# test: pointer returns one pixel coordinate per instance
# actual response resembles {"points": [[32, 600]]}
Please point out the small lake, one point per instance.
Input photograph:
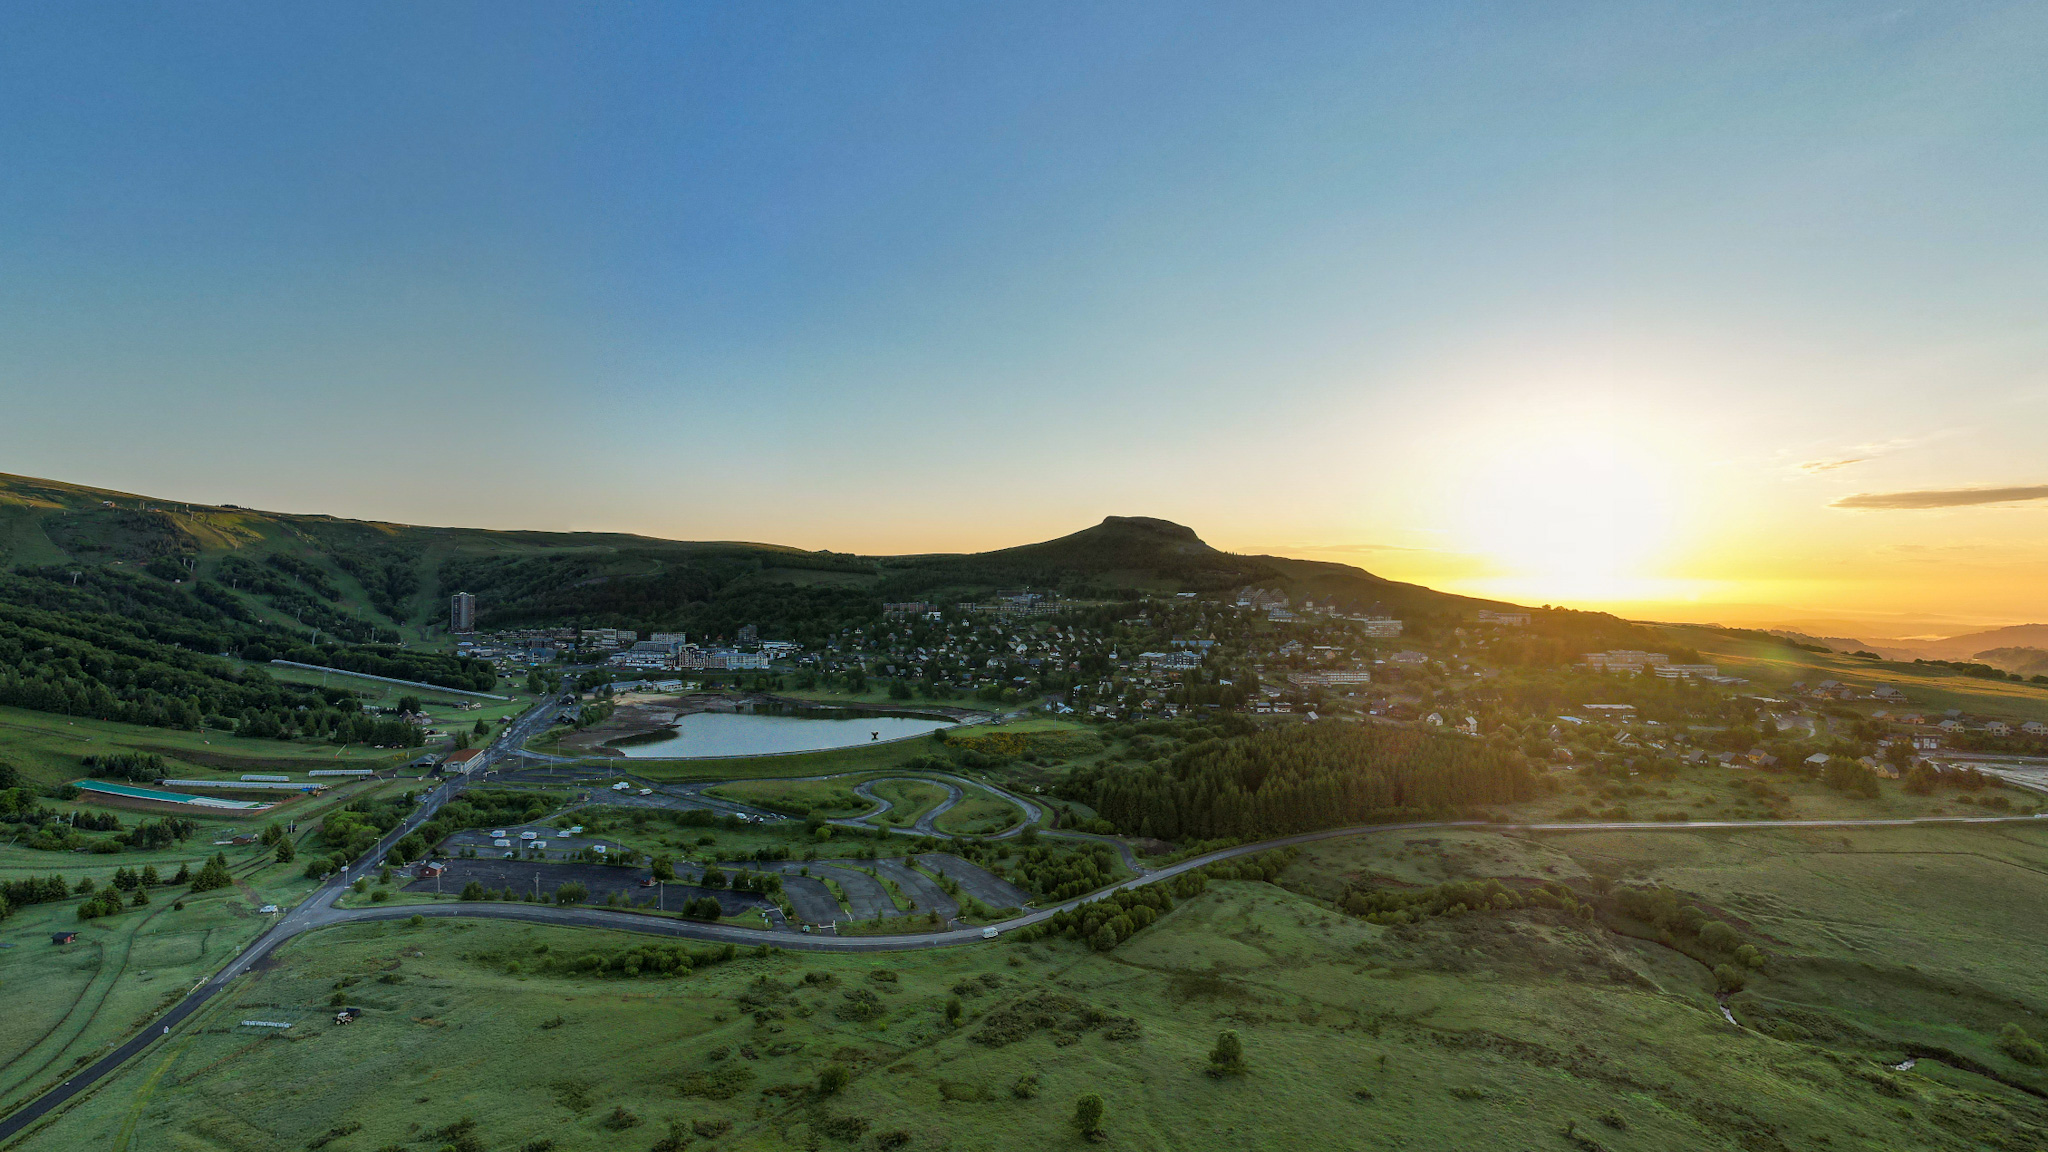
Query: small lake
{"points": [[759, 733]]}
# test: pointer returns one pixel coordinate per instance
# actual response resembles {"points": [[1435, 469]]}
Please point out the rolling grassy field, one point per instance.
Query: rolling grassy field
{"points": [[47, 748], [824, 797], [1514, 1031], [67, 1003], [1773, 667]]}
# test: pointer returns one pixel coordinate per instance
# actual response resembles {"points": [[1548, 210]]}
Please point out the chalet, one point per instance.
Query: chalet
{"points": [[63, 937], [1998, 728], [2034, 728]]}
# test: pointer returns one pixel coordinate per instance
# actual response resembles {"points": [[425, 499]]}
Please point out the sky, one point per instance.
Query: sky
{"points": [[1727, 312]]}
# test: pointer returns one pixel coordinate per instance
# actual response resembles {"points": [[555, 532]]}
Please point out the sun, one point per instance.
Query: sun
{"points": [[1569, 517]]}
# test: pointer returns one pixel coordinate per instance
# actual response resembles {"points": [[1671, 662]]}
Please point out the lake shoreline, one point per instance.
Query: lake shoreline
{"points": [[643, 717]]}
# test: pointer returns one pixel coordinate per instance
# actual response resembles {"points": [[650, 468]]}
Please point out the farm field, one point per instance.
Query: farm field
{"points": [[1528, 1029]]}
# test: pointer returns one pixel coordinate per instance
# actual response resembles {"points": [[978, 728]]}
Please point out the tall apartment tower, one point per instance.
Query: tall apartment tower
{"points": [[462, 613]]}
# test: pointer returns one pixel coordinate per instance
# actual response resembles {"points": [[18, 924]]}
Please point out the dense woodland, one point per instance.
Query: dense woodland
{"points": [[1299, 779], [133, 648]]}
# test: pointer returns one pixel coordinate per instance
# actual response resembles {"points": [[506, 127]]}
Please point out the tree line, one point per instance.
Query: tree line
{"points": [[1301, 778]]}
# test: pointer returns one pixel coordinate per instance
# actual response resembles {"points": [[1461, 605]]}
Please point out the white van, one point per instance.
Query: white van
{"points": [[496, 832], [501, 842], [989, 933], [537, 845], [528, 835]]}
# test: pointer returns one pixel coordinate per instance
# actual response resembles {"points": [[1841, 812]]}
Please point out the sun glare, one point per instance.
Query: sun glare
{"points": [[1568, 518]]}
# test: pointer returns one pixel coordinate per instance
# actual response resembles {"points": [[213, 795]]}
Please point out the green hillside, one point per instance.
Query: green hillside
{"points": [[365, 581]]}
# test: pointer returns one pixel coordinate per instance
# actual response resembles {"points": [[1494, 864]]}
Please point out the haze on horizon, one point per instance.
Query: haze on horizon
{"points": [[1726, 313]]}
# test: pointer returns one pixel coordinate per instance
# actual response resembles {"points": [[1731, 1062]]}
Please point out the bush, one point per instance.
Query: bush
{"points": [[833, 1079], [2016, 1043], [847, 1128], [1025, 1088], [571, 893], [618, 1120], [1089, 1113], [1227, 1058]]}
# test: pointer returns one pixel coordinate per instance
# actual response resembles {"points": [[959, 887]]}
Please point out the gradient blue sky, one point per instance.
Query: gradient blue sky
{"points": [[1582, 302]]}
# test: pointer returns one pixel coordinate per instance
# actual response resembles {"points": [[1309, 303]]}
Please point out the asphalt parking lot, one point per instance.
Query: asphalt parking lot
{"points": [[524, 877]]}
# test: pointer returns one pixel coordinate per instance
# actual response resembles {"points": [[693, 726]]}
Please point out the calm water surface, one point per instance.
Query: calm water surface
{"points": [[754, 734]]}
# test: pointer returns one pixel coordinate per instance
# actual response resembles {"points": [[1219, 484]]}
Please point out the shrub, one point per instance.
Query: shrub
{"points": [[618, 1119], [2022, 1047], [571, 893], [847, 1128], [1227, 1058], [1089, 1114], [1025, 1088], [833, 1079]]}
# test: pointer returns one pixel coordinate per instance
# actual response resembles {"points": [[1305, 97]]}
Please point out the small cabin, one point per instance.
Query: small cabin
{"points": [[63, 937]]}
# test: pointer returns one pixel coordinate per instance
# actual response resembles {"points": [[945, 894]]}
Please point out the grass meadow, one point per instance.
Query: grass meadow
{"points": [[1518, 1030]]}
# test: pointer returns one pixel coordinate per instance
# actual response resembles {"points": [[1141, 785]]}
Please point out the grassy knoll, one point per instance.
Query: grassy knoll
{"points": [[48, 747], [795, 797], [909, 799], [1773, 667], [1532, 1030]]}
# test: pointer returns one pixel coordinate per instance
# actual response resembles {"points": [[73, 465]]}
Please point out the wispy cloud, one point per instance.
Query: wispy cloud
{"points": [[1942, 498], [1831, 465]]}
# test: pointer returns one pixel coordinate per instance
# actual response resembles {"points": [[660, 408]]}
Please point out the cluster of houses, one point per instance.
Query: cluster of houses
{"points": [[672, 651], [1629, 662]]}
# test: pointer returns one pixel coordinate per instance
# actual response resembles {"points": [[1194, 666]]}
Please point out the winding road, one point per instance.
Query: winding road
{"points": [[318, 910]]}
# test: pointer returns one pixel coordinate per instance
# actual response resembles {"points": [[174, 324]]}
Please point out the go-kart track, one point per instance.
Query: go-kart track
{"points": [[317, 911]]}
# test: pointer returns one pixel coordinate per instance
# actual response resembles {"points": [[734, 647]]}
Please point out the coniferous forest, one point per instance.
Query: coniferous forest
{"points": [[1299, 779]]}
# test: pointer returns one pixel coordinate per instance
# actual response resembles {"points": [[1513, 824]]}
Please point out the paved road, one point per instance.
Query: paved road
{"points": [[318, 911]]}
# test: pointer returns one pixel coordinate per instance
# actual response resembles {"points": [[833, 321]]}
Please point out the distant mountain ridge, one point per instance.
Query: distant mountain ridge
{"points": [[399, 574]]}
